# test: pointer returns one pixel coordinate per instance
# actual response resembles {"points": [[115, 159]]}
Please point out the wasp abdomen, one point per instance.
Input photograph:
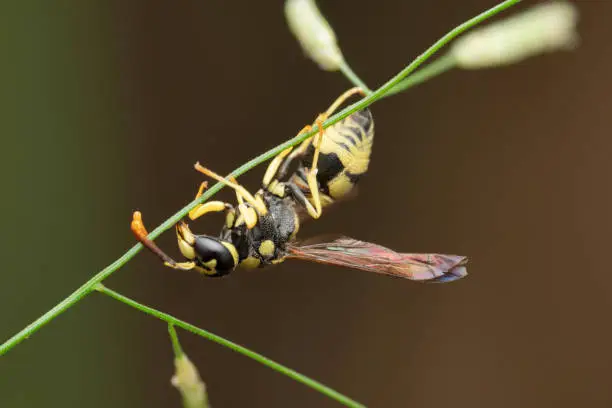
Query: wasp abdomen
{"points": [[344, 156]]}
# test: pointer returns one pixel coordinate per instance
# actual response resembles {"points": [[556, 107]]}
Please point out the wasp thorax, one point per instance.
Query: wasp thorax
{"points": [[216, 257]]}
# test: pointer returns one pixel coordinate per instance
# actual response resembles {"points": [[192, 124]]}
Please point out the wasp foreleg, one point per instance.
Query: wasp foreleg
{"points": [[257, 203]]}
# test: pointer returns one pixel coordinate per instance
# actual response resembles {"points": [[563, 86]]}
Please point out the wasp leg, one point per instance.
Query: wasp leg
{"points": [[299, 196], [258, 204], [340, 100], [239, 196], [279, 165], [182, 266], [141, 233], [248, 213], [296, 192], [273, 167], [209, 206], [203, 186], [311, 177], [296, 153]]}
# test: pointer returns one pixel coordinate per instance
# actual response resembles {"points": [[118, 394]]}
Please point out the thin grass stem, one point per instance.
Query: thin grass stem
{"points": [[173, 321], [89, 286]]}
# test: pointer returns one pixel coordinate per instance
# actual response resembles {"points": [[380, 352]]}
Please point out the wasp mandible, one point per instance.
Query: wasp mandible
{"points": [[261, 229]]}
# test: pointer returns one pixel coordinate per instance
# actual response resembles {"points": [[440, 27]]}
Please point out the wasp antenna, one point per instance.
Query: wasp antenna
{"points": [[137, 225], [141, 234]]}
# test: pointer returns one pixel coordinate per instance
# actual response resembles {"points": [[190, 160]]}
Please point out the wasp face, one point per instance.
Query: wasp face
{"points": [[215, 257]]}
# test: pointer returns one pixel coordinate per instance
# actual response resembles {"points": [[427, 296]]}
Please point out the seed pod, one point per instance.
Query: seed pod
{"points": [[314, 33], [544, 28], [187, 380]]}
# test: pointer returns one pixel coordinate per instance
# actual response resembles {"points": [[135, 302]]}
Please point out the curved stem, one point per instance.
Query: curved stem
{"points": [[87, 287], [173, 321], [433, 69], [176, 344], [348, 72]]}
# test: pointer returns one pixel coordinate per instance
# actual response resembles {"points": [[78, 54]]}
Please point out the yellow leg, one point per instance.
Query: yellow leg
{"points": [[210, 206], [239, 195], [248, 213], [273, 167], [311, 177], [316, 209], [257, 204], [340, 100], [282, 162], [278, 166], [181, 266], [203, 186], [300, 151], [207, 207]]}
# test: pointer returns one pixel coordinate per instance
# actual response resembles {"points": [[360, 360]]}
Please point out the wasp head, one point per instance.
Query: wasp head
{"points": [[215, 256]]}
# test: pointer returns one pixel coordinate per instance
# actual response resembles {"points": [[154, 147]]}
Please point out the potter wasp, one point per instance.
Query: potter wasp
{"points": [[261, 229]]}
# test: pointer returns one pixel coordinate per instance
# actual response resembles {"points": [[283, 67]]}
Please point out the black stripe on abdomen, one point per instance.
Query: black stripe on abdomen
{"points": [[329, 166]]}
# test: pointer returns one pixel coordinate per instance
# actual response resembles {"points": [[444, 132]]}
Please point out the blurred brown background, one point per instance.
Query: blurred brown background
{"points": [[106, 106]]}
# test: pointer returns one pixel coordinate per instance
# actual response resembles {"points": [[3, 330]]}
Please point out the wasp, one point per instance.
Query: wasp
{"points": [[261, 229]]}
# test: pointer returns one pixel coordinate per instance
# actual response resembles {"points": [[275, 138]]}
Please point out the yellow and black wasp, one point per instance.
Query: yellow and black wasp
{"points": [[261, 229]]}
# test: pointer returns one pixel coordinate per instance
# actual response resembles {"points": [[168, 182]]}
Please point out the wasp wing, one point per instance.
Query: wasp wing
{"points": [[351, 253]]}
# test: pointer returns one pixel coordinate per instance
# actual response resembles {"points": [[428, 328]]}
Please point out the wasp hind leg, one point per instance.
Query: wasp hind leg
{"points": [[340, 100], [314, 206], [141, 234], [277, 169], [313, 210], [280, 164]]}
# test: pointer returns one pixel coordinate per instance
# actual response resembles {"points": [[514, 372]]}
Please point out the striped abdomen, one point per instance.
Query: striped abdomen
{"points": [[343, 158]]}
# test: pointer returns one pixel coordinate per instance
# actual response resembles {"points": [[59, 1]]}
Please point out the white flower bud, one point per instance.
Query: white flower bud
{"points": [[543, 28], [187, 380], [313, 33]]}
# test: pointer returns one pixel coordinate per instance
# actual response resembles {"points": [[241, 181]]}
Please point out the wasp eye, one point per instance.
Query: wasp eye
{"points": [[215, 254]]}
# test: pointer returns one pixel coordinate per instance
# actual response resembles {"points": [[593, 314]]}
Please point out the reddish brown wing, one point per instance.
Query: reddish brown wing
{"points": [[355, 254]]}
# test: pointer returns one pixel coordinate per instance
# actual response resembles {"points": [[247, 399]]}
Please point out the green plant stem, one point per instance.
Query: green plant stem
{"points": [[433, 69], [88, 286], [176, 344], [348, 72], [173, 321]]}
